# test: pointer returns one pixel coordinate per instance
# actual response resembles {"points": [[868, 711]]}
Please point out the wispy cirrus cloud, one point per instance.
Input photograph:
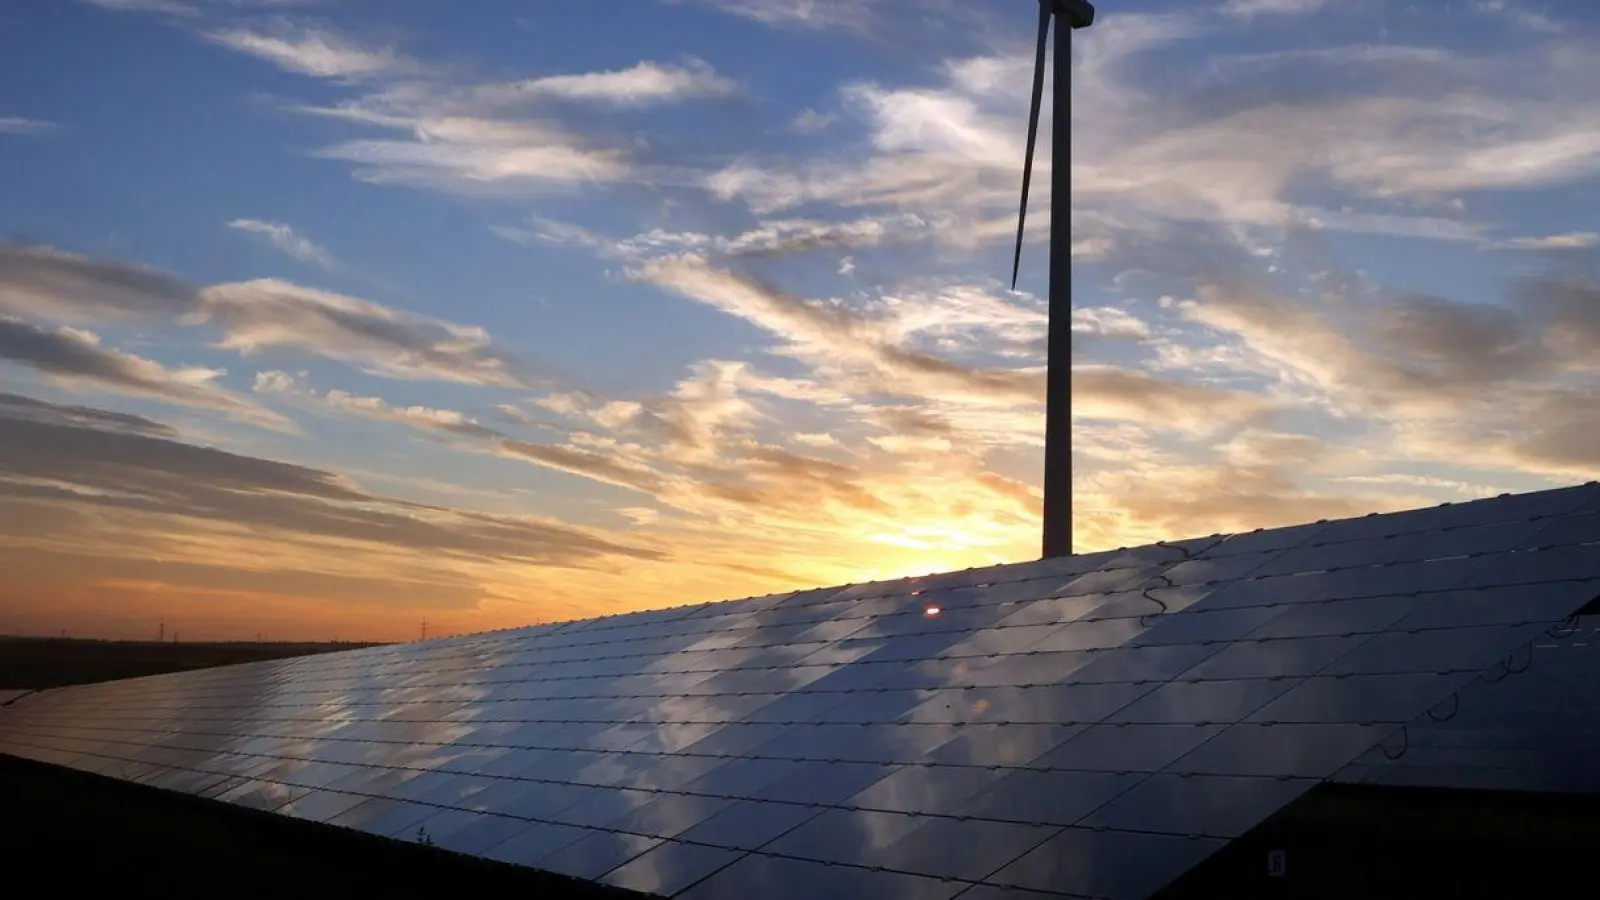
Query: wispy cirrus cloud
{"points": [[314, 50], [646, 82], [1521, 14], [814, 14], [94, 493], [828, 335], [42, 282], [194, 7], [471, 137], [1250, 8], [255, 316], [25, 126], [269, 313], [77, 358], [423, 417], [1572, 240], [286, 239]]}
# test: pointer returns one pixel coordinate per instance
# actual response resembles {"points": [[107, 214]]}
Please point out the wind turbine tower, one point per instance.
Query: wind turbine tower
{"points": [[1070, 15]]}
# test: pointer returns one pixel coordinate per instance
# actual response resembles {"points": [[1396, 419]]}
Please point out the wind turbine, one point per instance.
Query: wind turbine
{"points": [[1070, 15]]}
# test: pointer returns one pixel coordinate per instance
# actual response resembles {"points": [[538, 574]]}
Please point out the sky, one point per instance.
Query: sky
{"points": [[322, 318]]}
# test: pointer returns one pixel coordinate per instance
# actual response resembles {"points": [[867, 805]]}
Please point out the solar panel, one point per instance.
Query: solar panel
{"points": [[1090, 726], [1530, 723]]}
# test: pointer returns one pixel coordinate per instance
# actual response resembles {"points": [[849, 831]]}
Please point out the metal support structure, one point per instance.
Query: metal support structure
{"points": [[1058, 378], [1069, 15]]}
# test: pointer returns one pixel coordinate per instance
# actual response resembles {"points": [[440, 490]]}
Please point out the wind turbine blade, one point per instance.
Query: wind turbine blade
{"points": [[1033, 132]]}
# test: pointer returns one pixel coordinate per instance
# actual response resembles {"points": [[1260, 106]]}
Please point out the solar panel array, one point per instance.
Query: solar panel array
{"points": [[1091, 726], [1530, 723]]}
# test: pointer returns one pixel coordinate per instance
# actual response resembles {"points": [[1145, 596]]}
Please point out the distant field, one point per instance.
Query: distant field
{"points": [[35, 663]]}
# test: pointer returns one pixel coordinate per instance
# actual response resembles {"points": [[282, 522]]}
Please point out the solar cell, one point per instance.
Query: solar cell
{"points": [[1094, 725], [669, 867], [783, 878]]}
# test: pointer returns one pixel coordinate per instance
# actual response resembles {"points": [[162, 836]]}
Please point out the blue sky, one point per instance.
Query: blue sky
{"points": [[325, 315]]}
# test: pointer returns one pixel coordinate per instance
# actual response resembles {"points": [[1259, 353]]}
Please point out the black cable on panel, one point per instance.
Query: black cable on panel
{"points": [[1454, 709], [1188, 554], [1565, 628], [1156, 600], [1404, 733]]}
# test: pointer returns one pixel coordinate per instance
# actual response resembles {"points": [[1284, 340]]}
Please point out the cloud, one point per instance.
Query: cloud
{"points": [[1572, 240], [20, 125], [77, 358], [268, 313], [1418, 126], [1519, 14], [481, 139], [285, 238], [1247, 9], [39, 282], [416, 416], [644, 83], [191, 7], [171, 7], [813, 14], [317, 51], [1410, 355], [1106, 392], [1109, 321], [768, 238], [121, 471], [461, 165], [587, 462], [810, 121], [829, 335], [453, 146], [16, 406]]}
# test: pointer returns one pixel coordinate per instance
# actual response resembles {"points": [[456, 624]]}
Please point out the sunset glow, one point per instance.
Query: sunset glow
{"points": [[321, 320]]}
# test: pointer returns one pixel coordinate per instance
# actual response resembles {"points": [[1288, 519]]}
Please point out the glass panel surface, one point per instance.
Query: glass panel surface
{"points": [[855, 837], [1363, 699], [951, 848], [1197, 625], [598, 853], [1274, 658], [1217, 806], [1051, 797], [1120, 865], [319, 806], [669, 867], [1297, 750], [669, 815], [1040, 704], [991, 744], [749, 824], [471, 833], [779, 878], [1500, 606], [995, 892], [724, 726], [1127, 748], [741, 777], [382, 816], [929, 790], [1339, 617], [1202, 702], [540, 840], [1159, 663], [1435, 650], [825, 783]]}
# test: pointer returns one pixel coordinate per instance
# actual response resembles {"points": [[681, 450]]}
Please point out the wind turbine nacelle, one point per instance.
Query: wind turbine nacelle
{"points": [[1076, 13]]}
